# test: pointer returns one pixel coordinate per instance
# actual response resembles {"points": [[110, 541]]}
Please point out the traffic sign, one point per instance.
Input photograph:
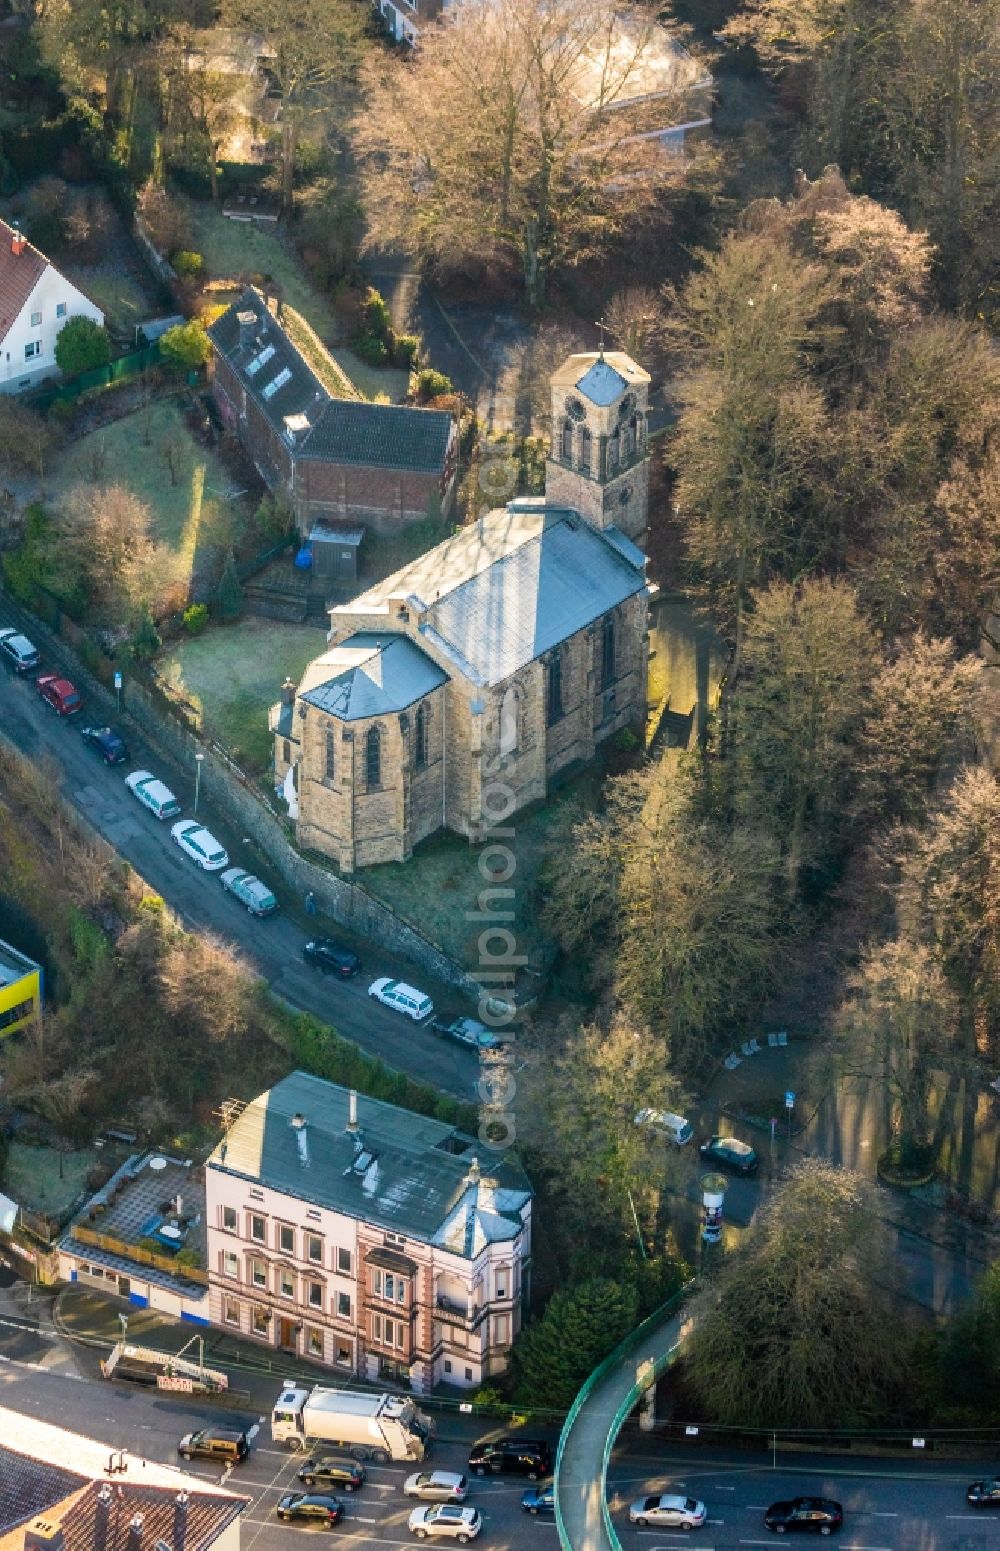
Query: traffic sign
{"points": [[118, 681], [789, 1099]]}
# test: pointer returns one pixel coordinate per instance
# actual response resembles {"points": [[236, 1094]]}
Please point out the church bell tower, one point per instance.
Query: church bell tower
{"points": [[598, 461]]}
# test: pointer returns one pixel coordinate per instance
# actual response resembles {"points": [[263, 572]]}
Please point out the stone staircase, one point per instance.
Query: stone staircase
{"points": [[278, 592]]}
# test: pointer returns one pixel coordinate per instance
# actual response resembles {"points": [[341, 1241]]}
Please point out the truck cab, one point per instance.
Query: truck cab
{"points": [[286, 1418]]}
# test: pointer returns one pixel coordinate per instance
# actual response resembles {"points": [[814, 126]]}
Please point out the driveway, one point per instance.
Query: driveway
{"points": [[272, 947]]}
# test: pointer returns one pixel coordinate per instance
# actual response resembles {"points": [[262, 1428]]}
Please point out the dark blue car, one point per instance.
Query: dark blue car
{"points": [[107, 742], [539, 1499]]}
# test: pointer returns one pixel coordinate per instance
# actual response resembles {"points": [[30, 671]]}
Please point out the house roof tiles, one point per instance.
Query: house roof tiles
{"points": [[19, 274], [389, 436]]}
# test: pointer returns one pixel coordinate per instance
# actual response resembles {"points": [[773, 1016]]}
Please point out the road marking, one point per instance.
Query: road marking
{"points": [[977, 1518], [873, 1514]]}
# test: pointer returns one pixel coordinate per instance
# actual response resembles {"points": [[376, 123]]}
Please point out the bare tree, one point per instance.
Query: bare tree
{"points": [[504, 140], [105, 539]]}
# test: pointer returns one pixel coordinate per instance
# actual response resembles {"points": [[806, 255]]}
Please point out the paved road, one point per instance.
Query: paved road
{"points": [[273, 946], [889, 1506]]}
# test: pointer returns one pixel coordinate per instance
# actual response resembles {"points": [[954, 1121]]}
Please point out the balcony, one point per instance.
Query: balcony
{"points": [[459, 1311]]}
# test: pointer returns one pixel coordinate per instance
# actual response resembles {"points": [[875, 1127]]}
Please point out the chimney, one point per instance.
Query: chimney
{"points": [[102, 1515], [178, 1204], [288, 692], [134, 1542], [43, 1535], [296, 427], [248, 328], [298, 1123], [472, 1178], [352, 1114], [180, 1520], [17, 240]]}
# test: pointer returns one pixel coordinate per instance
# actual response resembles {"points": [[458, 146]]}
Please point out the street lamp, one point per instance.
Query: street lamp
{"points": [[199, 761]]}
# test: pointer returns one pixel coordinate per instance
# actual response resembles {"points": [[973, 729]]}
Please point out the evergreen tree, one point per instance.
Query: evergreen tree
{"points": [[579, 1328], [230, 592]]}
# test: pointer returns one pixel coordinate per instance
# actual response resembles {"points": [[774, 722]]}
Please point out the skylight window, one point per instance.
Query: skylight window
{"points": [[271, 388], [258, 361]]}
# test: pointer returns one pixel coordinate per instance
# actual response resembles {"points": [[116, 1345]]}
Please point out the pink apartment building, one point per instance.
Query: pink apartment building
{"points": [[356, 1234]]}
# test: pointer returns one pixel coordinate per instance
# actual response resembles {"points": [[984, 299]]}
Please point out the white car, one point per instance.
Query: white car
{"points": [[437, 1486], [199, 845], [668, 1512], [159, 799], [402, 998], [249, 891], [674, 1127], [19, 651], [447, 1520]]}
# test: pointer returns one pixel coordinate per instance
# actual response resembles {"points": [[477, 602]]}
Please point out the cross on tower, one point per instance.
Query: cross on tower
{"points": [[601, 325]]}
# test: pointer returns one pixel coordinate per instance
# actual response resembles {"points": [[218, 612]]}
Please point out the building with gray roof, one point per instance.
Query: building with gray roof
{"points": [[508, 652], [381, 1242], [339, 461]]}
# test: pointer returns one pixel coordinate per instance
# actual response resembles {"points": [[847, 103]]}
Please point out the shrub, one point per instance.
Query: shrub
{"points": [[230, 593], [273, 519], [196, 618], [430, 384], [189, 266], [82, 344], [372, 349], [186, 346], [404, 349], [146, 641], [378, 320]]}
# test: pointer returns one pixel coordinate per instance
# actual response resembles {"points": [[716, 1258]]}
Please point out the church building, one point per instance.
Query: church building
{"points": [[495, 661]]}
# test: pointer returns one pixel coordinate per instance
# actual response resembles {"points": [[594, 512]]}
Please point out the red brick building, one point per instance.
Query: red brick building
{"points": [[338, 462]]}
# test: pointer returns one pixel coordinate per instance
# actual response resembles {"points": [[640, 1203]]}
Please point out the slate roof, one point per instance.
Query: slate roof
{"points": [[388, 436], [370, 675], [601, 384], [19, 274], [403, 1172], [512, 586]]}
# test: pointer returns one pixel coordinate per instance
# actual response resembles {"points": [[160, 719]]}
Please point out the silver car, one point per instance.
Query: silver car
{"points": [[448, 1521], [437, 1486], [668, 1512]]}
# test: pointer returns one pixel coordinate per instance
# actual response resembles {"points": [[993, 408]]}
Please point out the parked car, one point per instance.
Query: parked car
{"points": [[202, 847], [984, 1494], [326, 1470], [249, 891], [60, 694], [107, 742], [402, 998], [517, 1456], [666, 1512], [310, 1508], [729, 1153], [819, 1514], [21, 653], [330, 958], [437, 1486], [448, 1521], [221, 1443], [159, 799], [468, 1031], [674, 1127], [539, 1500]]}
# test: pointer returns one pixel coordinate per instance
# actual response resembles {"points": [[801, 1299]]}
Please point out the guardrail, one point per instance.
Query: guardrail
{"points": [[659, 1366]]}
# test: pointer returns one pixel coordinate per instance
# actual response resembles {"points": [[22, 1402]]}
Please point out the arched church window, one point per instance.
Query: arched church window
{"points": [[586, 443], [614, 448], [373, 757], [508, 721], [567, 441], [420, 737]]}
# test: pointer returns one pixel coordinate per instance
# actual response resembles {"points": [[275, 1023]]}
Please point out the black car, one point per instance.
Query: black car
{"points": [[310, 1508], [984, 1494], [107, 742], [330, 958], [820, 1514], [517, 1456], [729, 1153], [539, 1499], [345, 1473]]}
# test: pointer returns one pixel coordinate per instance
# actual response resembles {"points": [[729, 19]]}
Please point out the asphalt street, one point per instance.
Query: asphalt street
{"points": [[888, 1505], [272, 946]]}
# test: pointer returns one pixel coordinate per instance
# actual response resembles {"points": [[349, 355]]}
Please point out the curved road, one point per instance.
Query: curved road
{"points": [[273, 947]]}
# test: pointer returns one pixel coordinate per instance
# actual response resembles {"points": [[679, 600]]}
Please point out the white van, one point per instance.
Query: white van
{"points": [[674, 1127], [159, 799], [402, 998]]}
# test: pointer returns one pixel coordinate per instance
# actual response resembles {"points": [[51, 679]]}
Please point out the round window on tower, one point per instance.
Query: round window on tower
{"points": [[575, 409]]}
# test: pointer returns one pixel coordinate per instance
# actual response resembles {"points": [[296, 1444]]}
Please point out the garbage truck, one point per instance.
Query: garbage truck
{"points": [[379, 1428]]}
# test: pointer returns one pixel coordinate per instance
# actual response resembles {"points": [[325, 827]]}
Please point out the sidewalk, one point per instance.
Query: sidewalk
{"points": [[581, 1476]]}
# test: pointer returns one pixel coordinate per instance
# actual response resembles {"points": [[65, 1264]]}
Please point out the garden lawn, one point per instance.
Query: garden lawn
{"points": [[192, 520], [233, 673], [32, 1176], [438, 889], [239, 251]]}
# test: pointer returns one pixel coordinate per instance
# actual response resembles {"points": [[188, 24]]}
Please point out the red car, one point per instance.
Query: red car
{"points": [[60, 694]]}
